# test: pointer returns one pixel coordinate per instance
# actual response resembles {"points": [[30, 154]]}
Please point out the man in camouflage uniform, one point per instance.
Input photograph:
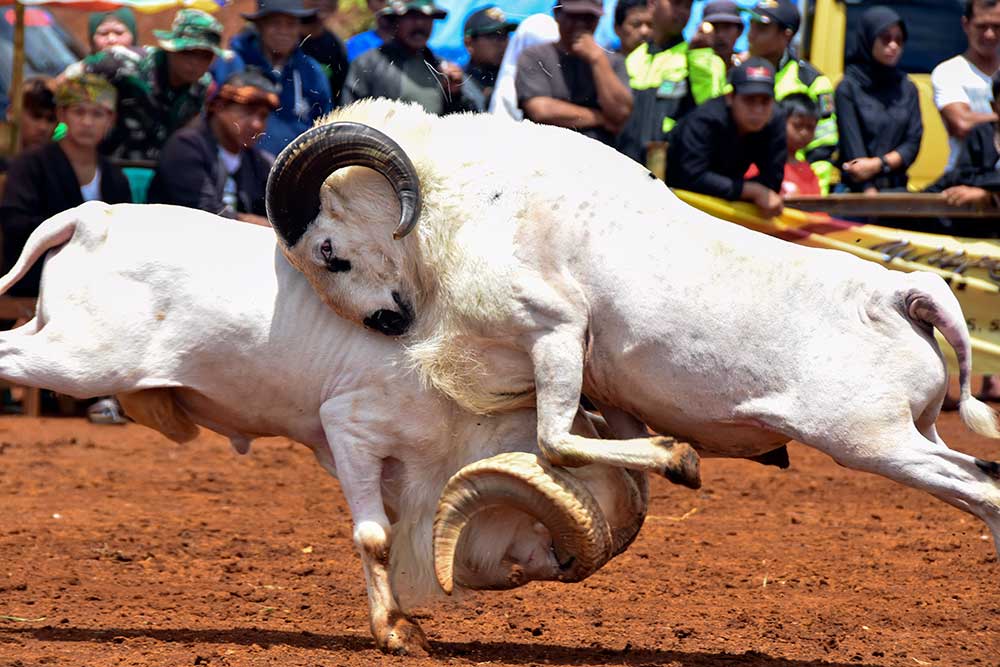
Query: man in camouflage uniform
{"points": [[159, 92]]}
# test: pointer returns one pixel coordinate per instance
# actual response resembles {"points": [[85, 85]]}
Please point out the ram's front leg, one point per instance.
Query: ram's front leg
{"points": [[360, 473], [558, 357]]}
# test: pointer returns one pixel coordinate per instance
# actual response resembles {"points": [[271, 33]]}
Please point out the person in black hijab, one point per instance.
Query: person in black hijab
{"points": [[878, 110]]}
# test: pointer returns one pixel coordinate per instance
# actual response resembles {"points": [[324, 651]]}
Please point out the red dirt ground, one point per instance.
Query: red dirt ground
{"points": [[120, 548]]}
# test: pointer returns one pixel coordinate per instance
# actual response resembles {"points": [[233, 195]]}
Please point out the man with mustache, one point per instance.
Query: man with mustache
{"points": [[404, 68]]}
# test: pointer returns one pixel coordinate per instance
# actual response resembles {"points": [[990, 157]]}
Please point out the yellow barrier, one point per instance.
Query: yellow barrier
{"points": [[971, 266]]}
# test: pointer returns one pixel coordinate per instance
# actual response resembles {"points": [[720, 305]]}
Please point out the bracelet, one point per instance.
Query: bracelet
{"points": [[885, 164]]}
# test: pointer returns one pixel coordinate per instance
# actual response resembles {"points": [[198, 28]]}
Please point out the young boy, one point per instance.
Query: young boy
{"points": [[38, 116], [59, 175], [714, 145], [801, 117]]}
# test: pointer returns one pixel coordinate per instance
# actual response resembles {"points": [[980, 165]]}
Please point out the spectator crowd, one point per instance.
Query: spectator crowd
{"points": [[193, 121]]}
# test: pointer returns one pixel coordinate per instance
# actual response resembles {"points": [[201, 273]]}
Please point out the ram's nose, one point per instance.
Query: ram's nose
{"points": [[388, 322]]}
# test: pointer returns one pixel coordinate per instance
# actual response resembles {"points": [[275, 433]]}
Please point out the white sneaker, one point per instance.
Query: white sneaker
{"points": [[106, 411]]}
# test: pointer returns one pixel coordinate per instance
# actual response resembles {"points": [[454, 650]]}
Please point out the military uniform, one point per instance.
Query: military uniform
{"points": [[666, 84], [149, 110]]}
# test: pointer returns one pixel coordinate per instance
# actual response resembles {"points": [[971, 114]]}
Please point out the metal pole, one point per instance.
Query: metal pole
{"points": [[17, 79]]}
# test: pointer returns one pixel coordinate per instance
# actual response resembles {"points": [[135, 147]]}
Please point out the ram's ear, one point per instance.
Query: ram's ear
{"points": [[331, 201]]}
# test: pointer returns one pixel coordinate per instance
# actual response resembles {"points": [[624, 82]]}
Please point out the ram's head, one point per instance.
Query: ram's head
{"points": [[514, 518], [329, 194]]}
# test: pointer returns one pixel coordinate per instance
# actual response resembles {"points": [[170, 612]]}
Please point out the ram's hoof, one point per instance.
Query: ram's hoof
{"points": [[402, 636], [684, 464]]}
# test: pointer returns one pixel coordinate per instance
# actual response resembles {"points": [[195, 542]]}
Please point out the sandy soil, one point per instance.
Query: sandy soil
{"points": [[120, 548]]}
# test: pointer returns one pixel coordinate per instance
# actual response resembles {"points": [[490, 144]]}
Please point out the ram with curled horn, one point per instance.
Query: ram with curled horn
{"points": [[241, 345], [543, 264]]}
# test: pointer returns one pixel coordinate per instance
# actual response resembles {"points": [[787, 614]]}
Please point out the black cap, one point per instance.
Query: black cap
{"points": [[783, 12], [289, 7], [592, 7], [722, 11], [755, 76], [488, 21]]}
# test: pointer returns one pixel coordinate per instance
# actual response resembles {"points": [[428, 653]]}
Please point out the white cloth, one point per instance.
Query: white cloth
{"points": [[92, 191], [536, 29], [958, 80], [231, 163]]}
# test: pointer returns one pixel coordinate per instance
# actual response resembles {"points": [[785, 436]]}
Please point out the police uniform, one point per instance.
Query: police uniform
{"points": [[795, 75], [666, 84]]}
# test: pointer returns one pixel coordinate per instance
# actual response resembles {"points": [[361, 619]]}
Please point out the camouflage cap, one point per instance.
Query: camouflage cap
{"points": [[86, 87], [192, 30], [402, 7]]}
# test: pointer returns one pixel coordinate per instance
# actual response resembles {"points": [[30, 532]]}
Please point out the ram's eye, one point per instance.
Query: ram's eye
{"points": [[326, 250]]}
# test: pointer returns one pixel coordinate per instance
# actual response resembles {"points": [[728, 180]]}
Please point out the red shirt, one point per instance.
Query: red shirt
{"points": [[799, 179]]}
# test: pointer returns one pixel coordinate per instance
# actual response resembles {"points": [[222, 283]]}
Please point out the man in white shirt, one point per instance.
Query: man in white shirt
{"points": [[962, 87]]}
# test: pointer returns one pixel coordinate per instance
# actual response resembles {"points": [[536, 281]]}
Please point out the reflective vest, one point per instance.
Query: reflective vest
{"points": [[798, 76], [665, 86]]}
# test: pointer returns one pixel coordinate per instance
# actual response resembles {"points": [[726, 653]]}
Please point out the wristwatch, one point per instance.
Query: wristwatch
{"points": [[885, 164]]}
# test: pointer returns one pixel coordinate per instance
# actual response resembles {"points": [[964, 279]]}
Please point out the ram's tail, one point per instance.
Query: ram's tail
{"points": [[52, 233], [934, 304]]}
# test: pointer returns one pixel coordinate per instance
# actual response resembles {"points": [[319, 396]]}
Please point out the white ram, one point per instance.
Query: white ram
{"points": [[544, 263], [223, 333]]}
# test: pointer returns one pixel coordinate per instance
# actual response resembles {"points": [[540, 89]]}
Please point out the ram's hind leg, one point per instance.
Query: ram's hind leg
{"points": [[558, 360], [49, 360], [910, 458]]}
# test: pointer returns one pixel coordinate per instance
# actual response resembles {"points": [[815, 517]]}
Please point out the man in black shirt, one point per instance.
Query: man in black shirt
{"points": [[574, 83], [714, 145], [214, 165]]}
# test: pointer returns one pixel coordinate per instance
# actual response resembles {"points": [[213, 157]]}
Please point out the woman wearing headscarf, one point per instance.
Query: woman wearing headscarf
{"points": [[878, 110], [108, 29], [536, 29]]}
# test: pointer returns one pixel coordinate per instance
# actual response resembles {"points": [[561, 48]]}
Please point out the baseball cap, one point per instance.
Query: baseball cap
{"points": [[754, 77], [722, 11], [783, 12], [592, 7], [192, 30], [403, 7], [488, 21], [288, 7]]}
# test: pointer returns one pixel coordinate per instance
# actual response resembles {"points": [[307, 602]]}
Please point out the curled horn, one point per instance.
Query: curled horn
{"points": [[581, 536], [300, 170], [634, 494]]}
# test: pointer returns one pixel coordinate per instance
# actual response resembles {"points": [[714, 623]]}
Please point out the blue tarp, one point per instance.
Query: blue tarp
{"points": [[447, 40]]}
